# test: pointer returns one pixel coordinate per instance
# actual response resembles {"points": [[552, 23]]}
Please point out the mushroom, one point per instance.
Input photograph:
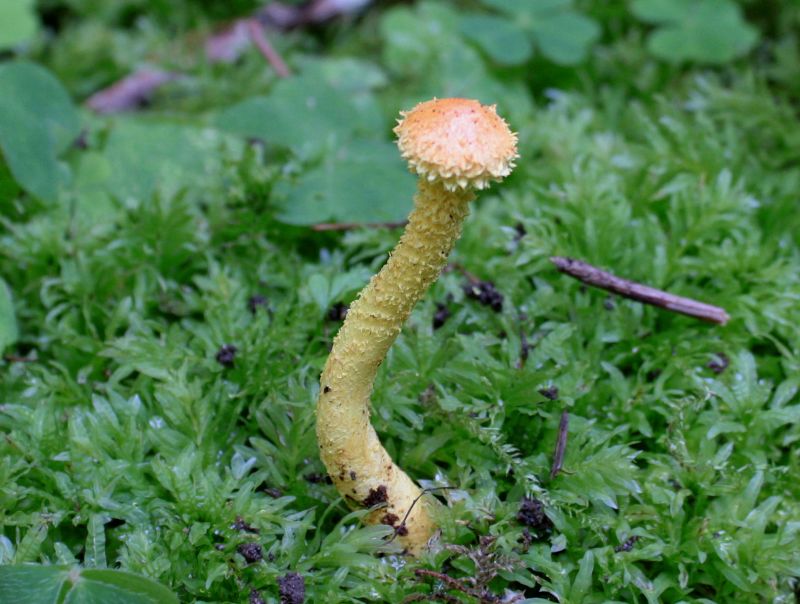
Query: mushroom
{"points": [[455, 146]]}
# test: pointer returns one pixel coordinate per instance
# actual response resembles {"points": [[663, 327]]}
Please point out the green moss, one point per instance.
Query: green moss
{"points": [[125, 439]]}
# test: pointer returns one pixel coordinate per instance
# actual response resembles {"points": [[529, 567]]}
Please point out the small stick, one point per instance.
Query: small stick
{"points": [[411, 507], [256, 31], [13, 358], [561, 445], [352, 226], [591, 275]]}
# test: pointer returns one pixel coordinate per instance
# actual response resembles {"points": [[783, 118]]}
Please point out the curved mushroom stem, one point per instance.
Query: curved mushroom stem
{"points": [[360, 467]]}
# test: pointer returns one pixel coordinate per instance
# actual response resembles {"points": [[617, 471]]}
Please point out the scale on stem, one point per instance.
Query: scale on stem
{"points": [[455, 146]]}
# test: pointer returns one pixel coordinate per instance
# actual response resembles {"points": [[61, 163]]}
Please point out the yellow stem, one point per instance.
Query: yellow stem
{"points": [[360, 467]]}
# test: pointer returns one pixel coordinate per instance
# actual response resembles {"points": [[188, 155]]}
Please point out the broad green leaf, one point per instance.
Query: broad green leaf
{"points": [[566, 37], [710, 31], [526, 8], [301, 113], [364, 181], [33, 583], [37, 121], [141, 158], [61, 584], [28, 150], [500, 38], [101, 585], [8, 321], [563, 34], [661, 11], [18, 22], [356, 79], [345, 74], [426, 46], [35, 90]]}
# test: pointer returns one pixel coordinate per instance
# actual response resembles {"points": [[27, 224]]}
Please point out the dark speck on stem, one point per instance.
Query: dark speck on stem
{"points": [[376, 497]]}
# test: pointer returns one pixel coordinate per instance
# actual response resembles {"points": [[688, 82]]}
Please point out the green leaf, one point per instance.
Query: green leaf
{"points": [[301, 113], [708, 31], [563, 34], [40, 95], [37, 122], [96, 541], [60, 584], [27, 584], [8, 321], [141, 158], [364, 181], [583, 580], [566, 37], [660, 11], [500, 38], [526, 8], [102, 585], [18, 22]]}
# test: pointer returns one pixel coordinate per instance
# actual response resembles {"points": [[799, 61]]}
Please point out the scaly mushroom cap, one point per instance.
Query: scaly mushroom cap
{"points": [[458, 142]]}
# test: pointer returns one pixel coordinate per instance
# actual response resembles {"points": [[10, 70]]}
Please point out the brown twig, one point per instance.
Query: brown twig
{"points": [[351, 226], [288, 16], [591, 275], [259, 38], [131, 91], [13, 358], [561, 445], [229, 43]]}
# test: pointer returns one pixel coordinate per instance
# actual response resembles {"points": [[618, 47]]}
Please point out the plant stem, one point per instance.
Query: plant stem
{"points": [[259, 38]]}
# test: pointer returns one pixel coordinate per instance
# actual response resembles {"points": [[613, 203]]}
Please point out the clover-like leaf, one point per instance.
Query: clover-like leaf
{"points": [[301, 113], [706, 31], [365, 179], [141, 158], [37, 122], [18, 22], [565, 37], [563, 34], [499, 37]]}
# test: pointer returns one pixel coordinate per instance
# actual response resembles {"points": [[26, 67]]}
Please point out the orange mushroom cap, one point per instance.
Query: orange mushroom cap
{"points": [[459, 142]]}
